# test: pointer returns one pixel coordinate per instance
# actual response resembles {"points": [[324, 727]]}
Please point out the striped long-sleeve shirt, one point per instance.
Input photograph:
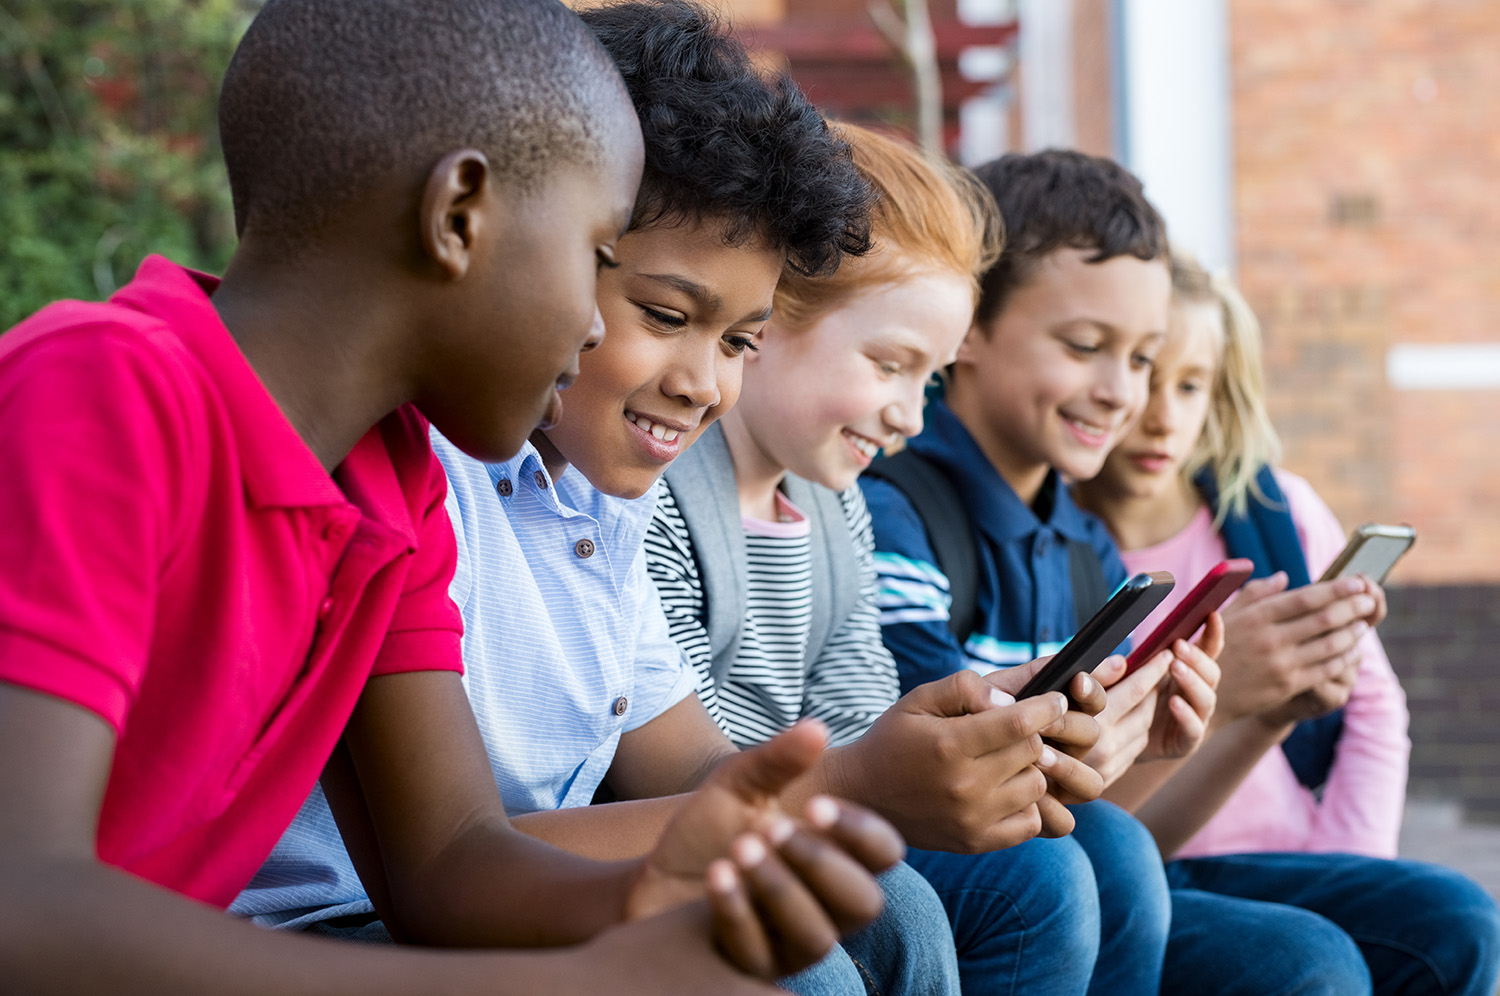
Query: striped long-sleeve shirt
{"points": [[770, 685]]}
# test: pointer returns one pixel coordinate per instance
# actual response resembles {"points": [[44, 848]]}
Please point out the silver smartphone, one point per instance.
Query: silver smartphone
{"points": [[1373, 550]]}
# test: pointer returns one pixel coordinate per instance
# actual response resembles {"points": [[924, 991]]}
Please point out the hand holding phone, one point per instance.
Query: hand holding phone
{"points": [[1373, 550], [1102, 634], [1222, 580]]}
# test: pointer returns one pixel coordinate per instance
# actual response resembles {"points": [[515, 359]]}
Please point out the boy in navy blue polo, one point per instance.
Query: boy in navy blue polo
{"points": [[1053, 372]]}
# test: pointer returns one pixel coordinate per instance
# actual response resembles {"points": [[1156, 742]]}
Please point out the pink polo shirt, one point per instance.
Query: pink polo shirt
{"points": [[175, 559], [1360, 808]]}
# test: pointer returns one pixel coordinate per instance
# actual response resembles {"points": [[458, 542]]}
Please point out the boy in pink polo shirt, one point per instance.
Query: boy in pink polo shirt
{"points": [[224, 540]]}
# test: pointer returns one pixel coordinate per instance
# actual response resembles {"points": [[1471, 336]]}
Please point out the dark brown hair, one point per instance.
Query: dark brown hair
{"points": [[1062, 199]]}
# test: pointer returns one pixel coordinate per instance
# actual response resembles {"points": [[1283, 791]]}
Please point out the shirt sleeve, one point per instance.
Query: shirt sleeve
{"points": [[1360, 811], [912, 595], [674, 574], [102, 438], [663, 676], [426, 627], [854, 679]]}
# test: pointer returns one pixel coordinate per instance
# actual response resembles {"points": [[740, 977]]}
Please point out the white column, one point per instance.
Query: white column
{"points": [[1175, 117], [1046, 53]]}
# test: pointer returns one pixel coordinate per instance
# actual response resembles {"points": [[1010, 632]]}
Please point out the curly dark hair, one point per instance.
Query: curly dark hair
{"points": [[724, 141], [1063, 199]]}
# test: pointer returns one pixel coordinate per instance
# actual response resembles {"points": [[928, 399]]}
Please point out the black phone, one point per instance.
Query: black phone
{"points": [[1102, 634]]}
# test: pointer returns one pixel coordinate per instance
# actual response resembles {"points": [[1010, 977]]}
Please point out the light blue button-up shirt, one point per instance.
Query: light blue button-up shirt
{"points": [[565, 648]]}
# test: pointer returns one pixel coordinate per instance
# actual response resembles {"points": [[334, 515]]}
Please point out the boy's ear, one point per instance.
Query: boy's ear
{"points": [[966, 348], [454, 207]]}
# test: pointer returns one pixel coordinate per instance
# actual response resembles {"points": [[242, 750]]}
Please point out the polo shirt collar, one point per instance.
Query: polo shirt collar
{"points": [[278, 466], [997, 510]]}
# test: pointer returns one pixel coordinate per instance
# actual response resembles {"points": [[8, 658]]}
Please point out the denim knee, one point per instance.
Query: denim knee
{"points": [[1025, 919], [909, 948], [1135, 905], [1444, 940], [1245, 947]]}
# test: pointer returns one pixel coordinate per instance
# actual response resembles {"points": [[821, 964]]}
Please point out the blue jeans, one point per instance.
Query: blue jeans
{"points": [[1029, 919], [1329, 923], [909, 948], [906, 951]]}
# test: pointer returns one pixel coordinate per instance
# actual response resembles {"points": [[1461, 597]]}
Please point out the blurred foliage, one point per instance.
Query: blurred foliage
{"points": [[108, 142]]}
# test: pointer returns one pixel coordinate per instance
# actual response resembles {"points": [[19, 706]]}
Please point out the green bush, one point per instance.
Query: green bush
{"points": [[108, 142]]}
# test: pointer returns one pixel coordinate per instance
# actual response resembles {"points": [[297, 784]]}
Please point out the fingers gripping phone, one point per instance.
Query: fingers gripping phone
{"points": [[1372, 551], [1102, 634], [1222, 580]]}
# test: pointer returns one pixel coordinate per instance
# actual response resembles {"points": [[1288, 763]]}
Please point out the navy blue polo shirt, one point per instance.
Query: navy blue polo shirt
{"points": [[1024, 601]]}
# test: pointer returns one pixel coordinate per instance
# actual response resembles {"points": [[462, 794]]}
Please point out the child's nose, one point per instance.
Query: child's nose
{"points": [[904, 416], [596, 332]]}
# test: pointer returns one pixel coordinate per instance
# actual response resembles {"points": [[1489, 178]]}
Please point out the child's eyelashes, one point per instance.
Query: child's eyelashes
{"points": [[662, 318], [739, 343], [1080, 348]]}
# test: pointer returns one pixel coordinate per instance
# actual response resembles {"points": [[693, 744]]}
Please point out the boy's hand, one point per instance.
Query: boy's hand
{"points": [[785, 892], [673, 952], [1192, 678], [1282, 643], [1069, 781], [1126, 722], [957, 764]]}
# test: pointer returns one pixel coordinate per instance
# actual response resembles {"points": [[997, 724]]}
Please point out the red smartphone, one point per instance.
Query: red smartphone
{"points": [[1222, 580]]}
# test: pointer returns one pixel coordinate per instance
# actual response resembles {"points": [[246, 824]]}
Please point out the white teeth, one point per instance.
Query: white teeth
{"points": [[862, 444], [1091, 430], [659, 431]]}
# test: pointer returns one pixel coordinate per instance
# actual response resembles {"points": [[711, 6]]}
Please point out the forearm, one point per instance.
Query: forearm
{"points": [[1143, 780], [140, 938], [493, 886], [613, 832], [1204, 782]]}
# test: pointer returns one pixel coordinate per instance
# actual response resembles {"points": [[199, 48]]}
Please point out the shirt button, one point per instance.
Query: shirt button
{"points": [[584, 548], [621, 704], [540, 479], [325, 608], [504, 487]]}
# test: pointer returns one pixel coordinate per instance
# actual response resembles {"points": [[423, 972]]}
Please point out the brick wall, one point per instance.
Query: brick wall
{"points": [[1441, 641], [1365, 159]]}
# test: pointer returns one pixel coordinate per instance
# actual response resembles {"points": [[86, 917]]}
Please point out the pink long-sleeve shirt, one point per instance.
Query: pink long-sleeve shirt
{"points": [[1360, 809]]}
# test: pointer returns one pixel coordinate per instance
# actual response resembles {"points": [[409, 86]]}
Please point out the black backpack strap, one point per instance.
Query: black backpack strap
{"points": [[949, 530], [1090, 591]]}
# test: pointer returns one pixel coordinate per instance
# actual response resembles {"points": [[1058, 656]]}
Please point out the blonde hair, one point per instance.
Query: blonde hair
{"points": [[928, 214], [1237, 439]]}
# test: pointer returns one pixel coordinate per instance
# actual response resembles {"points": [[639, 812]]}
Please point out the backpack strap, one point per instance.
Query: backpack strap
{"points": [[702, 483], [1266, 534], [950, 530], [833, 568]]}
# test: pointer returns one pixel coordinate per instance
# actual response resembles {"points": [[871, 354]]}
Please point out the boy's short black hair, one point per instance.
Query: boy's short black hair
{"points": [[1063, 199], [326, 99], [725, 142]]}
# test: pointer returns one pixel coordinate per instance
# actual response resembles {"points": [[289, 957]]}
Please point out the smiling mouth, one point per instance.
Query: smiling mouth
{"points": [[1088, 430], [863, 444], [657, 429]]}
